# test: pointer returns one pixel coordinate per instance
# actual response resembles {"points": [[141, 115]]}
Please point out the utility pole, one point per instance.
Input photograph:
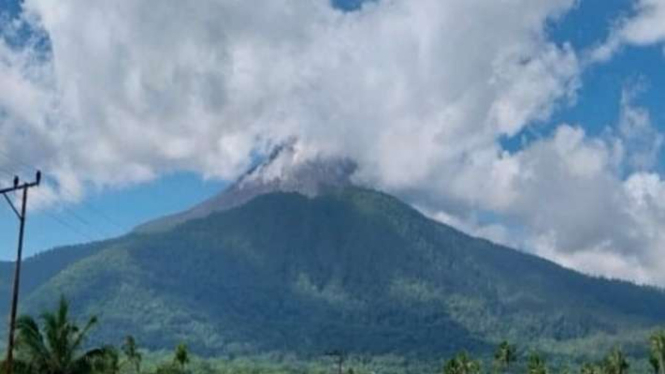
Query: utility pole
{"points": [[9, 363]]}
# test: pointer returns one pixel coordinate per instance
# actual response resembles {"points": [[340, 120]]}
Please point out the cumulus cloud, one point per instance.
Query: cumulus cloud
{"points": [[567, 198], [130, 90], [646, 26], [418, 93], [639, 139], [573, 202]]}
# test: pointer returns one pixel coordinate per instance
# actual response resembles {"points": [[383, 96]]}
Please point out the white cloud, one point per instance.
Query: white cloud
{"points": [[570, 203], [136, 89], [419, 93], [639, 139], [494, 232], [646, 26]]}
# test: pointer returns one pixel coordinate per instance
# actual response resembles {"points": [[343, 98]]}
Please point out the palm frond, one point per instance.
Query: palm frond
{"points": [[31, 339], [80, 335]]}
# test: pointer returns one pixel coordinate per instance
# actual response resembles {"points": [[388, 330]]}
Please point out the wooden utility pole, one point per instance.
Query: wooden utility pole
{"points": [[21, 215]]}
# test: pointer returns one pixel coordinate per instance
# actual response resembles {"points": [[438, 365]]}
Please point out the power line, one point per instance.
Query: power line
{"points": [[64, 210], [95, 210], [71, 195], [11, 159], [70, 227], [65, 223], [69, 219]]}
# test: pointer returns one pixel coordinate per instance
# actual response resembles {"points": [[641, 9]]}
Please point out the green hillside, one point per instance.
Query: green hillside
{"points": [[38, 269], [353, 269]]}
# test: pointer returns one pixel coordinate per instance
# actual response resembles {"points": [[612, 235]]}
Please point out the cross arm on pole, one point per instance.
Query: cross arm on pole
{"points": [[18, 187]]}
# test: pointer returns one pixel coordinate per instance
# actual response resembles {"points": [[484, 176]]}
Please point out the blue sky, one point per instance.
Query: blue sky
{"points": [[597, 107], [608, 112], [106, 214]]}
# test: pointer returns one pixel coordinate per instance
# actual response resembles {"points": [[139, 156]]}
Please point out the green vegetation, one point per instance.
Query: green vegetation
{"points": [[536, 364], [354, 269], [657, 358], [462, 364], [134, 357], [504, 357], [58, 345]]}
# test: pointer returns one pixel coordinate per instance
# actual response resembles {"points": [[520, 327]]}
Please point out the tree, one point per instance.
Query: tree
{"points": [[130, 349], [168, 368], [462, 364], [536, 364], [179, 363], [657, 342], [56, 346], [20, 367], [108, 362], [564, 370], [588, 368], [504, 356], [653, 361], [616, 363], [181, 357]]}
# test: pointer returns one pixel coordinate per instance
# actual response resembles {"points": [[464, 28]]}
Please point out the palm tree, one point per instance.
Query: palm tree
{"points": [[19, 367], [536, 364], [462, 364], [130, 349], [657, 342], [653, 361], [616, 363], [56, 347], [505, 355], [108, 363], [588, 368], [181, 356]]}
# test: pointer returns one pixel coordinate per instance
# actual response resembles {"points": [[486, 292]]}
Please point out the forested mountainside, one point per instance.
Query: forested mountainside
{"points": [[351, 269]]}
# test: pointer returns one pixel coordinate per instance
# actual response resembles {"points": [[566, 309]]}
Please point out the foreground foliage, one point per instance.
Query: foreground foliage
{"points": [[55, 344], [56, 347]]}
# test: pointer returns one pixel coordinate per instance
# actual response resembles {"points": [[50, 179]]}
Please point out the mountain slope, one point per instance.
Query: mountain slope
{"points": [[37, 270], [348, 269]]}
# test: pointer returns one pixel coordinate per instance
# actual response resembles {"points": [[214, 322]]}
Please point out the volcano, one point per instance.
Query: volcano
{"points": [[300, 260]]}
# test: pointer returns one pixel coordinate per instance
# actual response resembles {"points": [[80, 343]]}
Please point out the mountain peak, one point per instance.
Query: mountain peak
{"points": [[285, 170]]}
